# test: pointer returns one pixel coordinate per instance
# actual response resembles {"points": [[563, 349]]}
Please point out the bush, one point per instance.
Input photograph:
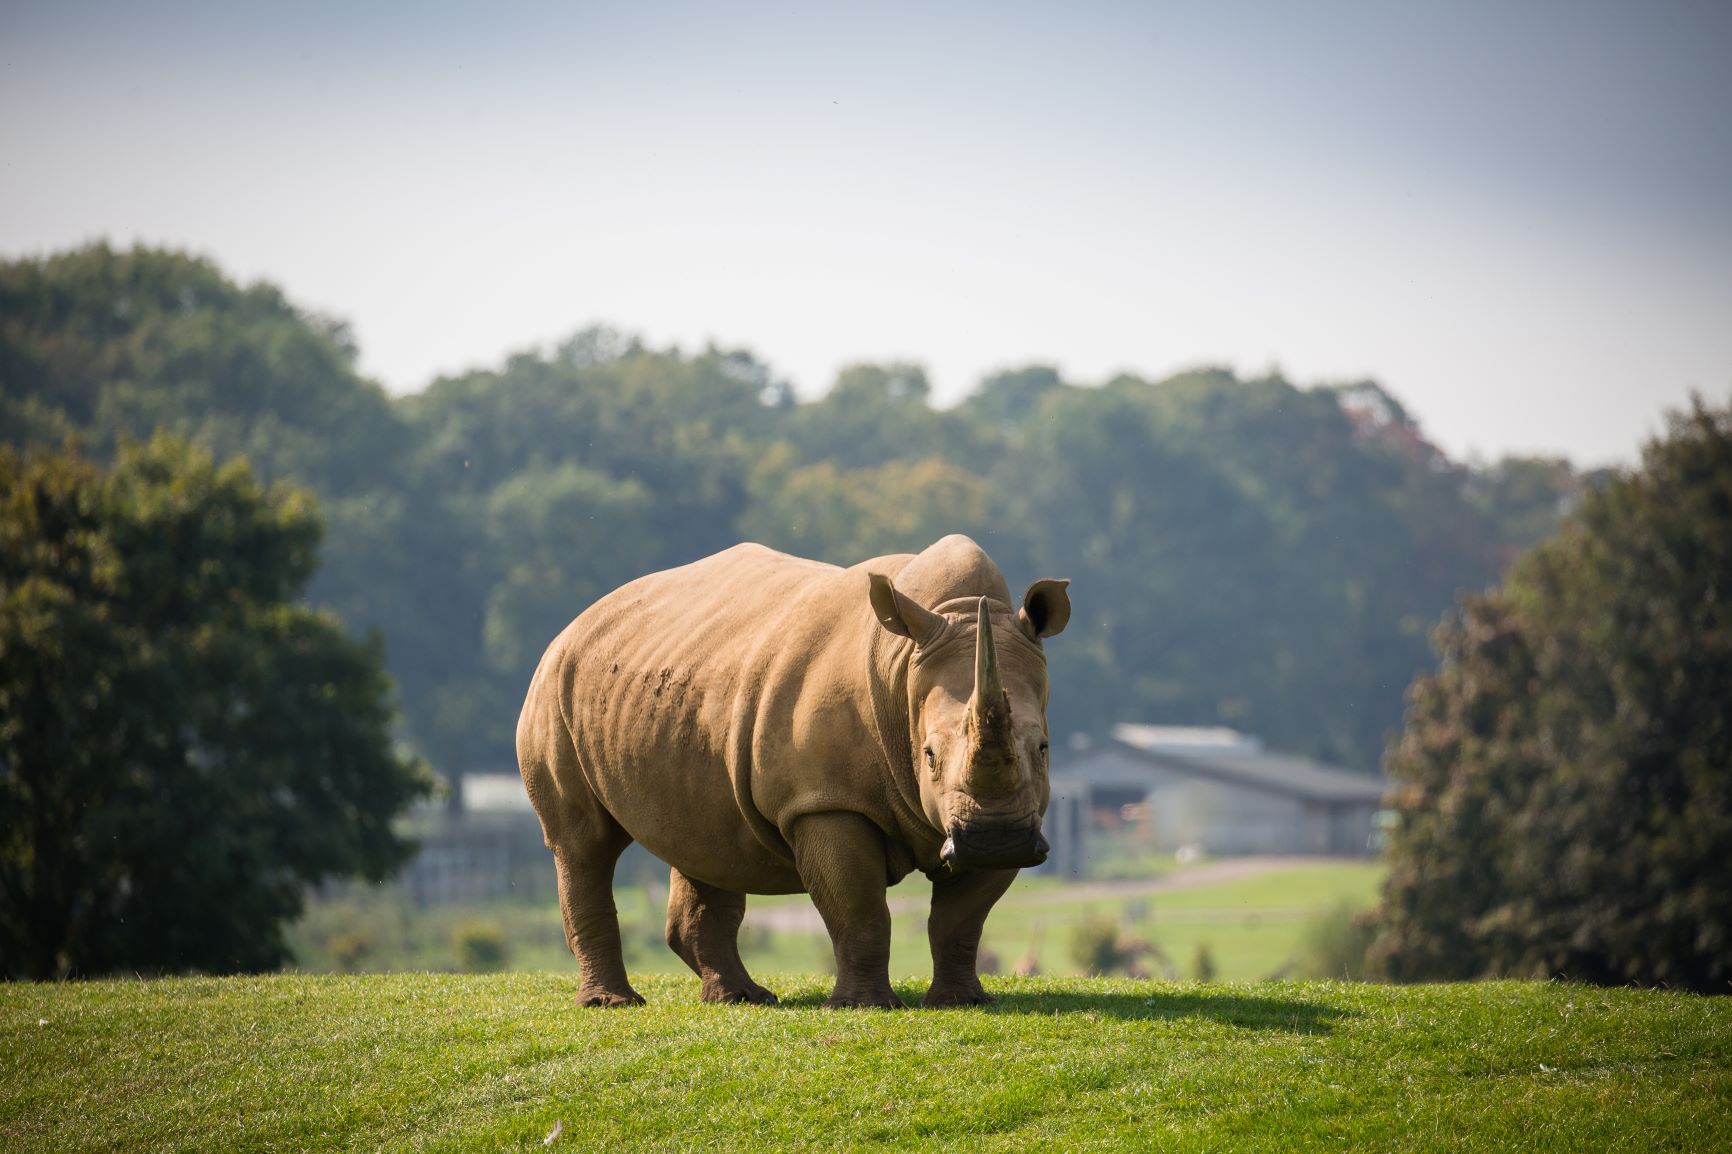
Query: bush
{"points": [[1334, 944], [1094, 946], [349, 950], [1100, 947], [1203, 964], [480, 947]]}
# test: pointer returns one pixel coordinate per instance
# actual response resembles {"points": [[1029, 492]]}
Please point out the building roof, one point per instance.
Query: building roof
{"points": [[495, 793], [1195, 740], [1231, 758]]}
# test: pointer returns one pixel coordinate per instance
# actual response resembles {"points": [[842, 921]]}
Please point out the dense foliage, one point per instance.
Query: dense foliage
{"points": [[1567, 797], [1245, 552], [182, 751], [103, 343]]}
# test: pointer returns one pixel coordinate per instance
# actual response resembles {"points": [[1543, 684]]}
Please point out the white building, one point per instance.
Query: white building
{"points": [[1212, 788]]}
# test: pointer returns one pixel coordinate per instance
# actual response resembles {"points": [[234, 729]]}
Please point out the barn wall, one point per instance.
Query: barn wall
{"points": [[1229, 820]]}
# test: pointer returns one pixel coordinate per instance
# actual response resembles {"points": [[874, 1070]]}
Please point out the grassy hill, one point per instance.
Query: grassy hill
{"points": [[451, 1062]]}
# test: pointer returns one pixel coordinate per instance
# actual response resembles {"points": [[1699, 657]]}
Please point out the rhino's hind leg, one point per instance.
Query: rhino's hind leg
{"points": [[704, 930], [960, 904], [584, 865]]}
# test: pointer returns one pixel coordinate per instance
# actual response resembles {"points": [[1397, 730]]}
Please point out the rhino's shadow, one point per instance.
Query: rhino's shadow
{"points": [[1245, 1011]]}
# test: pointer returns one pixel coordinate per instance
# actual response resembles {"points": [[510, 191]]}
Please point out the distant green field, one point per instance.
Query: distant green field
{"points": [[1252, 925], [440, 1062]]}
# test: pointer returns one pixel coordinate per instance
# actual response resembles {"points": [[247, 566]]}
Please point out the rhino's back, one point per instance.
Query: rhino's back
{"points": [[659, 683]]}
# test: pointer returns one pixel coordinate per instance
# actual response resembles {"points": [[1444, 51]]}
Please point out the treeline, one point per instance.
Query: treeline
{"points": [[1245, 551]]}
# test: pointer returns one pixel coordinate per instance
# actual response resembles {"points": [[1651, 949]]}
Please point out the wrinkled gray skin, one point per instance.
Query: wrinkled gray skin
{"points": [[767, 724]]}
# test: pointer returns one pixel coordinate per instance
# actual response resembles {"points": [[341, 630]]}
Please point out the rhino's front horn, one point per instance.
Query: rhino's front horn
{"points": [[988, 690], [992, 768]]}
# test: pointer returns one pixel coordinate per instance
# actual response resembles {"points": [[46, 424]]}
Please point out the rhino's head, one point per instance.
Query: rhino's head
{"points": [[978, 691]]}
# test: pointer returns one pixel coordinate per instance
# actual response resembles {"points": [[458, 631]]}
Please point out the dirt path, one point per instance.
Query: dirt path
{"points": [[801, 918]]}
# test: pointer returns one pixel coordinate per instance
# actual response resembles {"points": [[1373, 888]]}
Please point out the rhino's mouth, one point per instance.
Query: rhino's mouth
{"points": [[993, 846]]}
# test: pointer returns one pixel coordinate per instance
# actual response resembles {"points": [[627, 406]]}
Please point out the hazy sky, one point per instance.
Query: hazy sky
{"points": [[1517, 216]]}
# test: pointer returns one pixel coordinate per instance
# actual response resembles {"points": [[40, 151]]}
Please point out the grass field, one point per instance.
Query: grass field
{"points": [[496, 1062], [1252, 922]]}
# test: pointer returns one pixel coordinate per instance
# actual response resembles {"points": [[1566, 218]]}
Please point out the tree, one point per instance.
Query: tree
{"points": [[1185, 619], [182, 750], [540, 487], [847, 516], [1007, 399], [1525, 498], [1372, 537], [108, 343], [876, 414], [1566, 797]]}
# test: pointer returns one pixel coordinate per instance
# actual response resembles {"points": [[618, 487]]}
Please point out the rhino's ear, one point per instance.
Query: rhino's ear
{"points": [[902, 615], [1045, 607]]}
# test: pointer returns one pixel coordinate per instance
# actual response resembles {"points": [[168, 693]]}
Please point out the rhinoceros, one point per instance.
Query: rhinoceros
{"points": [[767, 724]]}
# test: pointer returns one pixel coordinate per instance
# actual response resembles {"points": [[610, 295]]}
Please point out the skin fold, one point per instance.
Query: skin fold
{"points": [[767, 724]]}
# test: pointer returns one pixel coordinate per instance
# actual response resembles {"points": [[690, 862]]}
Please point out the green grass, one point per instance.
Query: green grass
{"points": [[1253, 926], [452, 1062]]}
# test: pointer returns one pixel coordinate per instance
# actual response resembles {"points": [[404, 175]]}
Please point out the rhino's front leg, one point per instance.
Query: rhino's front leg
{"points": [[840, 857], [960, 903]]}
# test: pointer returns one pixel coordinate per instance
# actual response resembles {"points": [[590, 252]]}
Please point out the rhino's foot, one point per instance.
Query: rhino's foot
{"points": [[608, 999], [747, 992], [886, 1000], [941, 996]]}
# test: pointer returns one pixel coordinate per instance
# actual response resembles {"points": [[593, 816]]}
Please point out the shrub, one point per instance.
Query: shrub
{"points": [[480, 947], [349, 950], [1203, 964], [1334, 944], [1094, 946], [1099, 947]]}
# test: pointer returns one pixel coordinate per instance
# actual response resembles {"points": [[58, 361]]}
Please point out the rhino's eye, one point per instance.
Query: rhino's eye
{"points": [[1043, 749], [931, 758]]}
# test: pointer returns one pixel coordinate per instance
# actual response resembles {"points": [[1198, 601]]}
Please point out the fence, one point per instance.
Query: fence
{"points": [[487, 857]]}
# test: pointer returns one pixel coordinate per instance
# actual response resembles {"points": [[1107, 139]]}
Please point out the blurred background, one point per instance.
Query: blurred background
{"points": [[1276, 328]]}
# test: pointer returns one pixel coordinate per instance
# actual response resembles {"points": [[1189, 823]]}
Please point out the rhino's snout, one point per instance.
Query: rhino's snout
{"points": [[994, 846]]}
